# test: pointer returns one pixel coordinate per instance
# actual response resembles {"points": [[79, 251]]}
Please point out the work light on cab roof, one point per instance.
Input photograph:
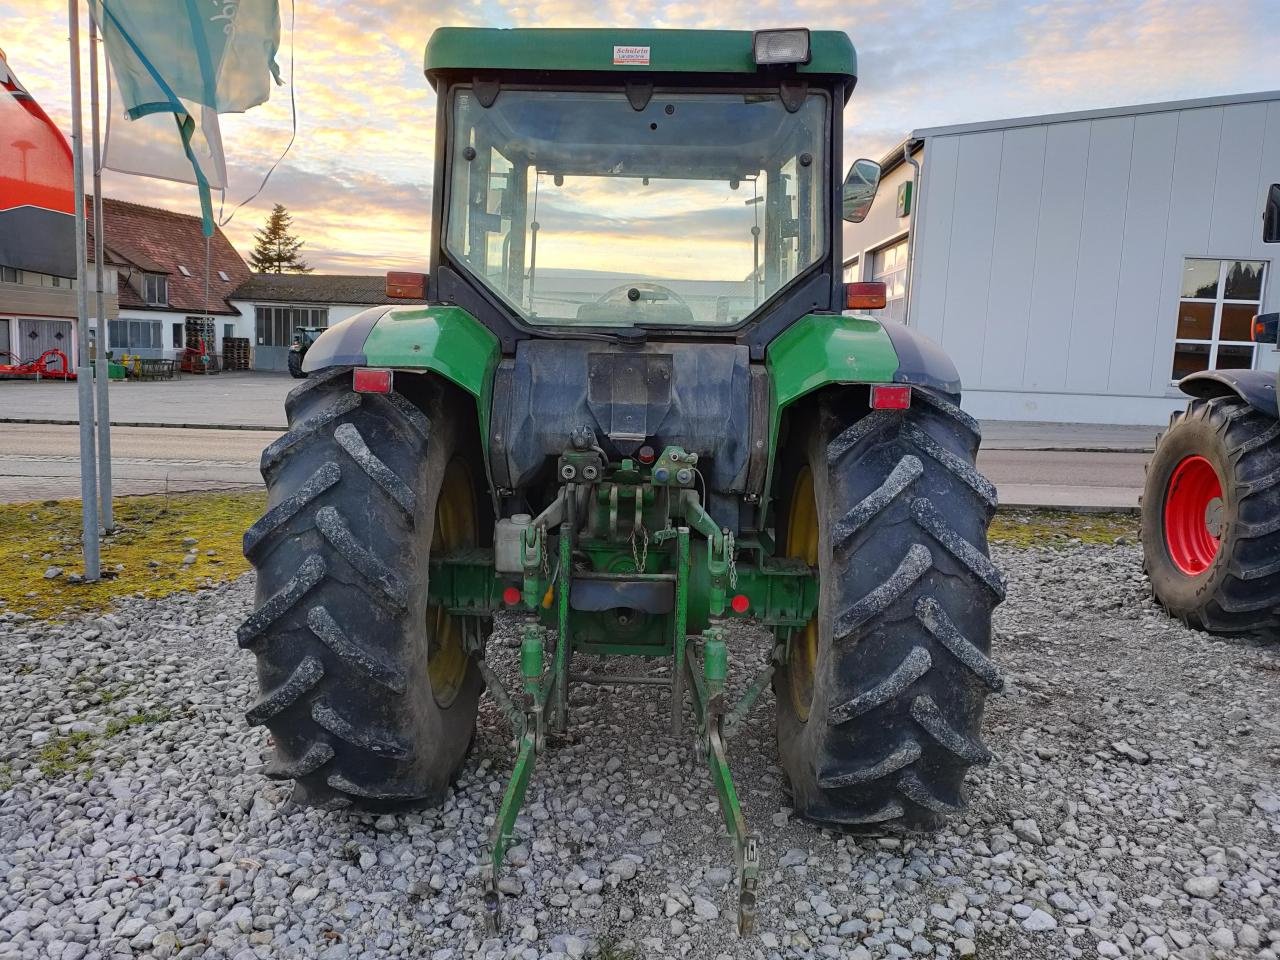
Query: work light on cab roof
{"points": [[635, 401], [781, 46]]}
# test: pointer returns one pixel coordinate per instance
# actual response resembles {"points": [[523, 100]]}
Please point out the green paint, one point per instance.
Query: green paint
{"points": [[447, 340], [822, 349], [819, 350], [670, 51]]}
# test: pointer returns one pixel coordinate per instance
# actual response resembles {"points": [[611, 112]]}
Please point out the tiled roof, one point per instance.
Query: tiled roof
{"points": [[141, 239], [316, 288]]}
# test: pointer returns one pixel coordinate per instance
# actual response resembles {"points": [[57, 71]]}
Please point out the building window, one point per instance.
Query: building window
{"points": [[274, 325], [178, 337], [851, 270], [134, 334], [889, 265], [1215, 312], [8, 275], [155, 289]]}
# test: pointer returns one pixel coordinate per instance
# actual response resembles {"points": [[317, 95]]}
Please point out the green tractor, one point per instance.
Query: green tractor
{"points": [[632, 410], [303, 338], [1211, 507]]}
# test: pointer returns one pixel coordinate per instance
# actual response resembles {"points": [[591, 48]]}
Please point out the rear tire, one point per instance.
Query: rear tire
{"points": [[882, 732], [341, 629], [1233, 587], [294, 361]]}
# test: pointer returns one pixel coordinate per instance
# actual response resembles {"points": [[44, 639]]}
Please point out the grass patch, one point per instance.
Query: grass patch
{"points": [[144, 555], [1060, 528], [66, 755], [609, 950]]}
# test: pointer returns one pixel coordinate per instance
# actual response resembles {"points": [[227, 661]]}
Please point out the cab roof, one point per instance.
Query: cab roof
{"points": [[623, 51]]}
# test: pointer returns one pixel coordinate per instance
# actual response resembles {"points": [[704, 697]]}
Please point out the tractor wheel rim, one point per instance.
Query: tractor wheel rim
{"points": [[455, 526], [1192, 516], [802, 543]]}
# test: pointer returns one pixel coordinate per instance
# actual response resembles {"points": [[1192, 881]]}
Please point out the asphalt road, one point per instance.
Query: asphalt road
{"points": [[41, 462]]}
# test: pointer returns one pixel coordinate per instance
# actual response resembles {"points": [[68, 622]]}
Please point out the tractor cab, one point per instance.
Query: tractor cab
{"points": [[664, 188]]}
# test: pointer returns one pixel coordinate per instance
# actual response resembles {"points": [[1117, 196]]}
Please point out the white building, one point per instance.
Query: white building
{"points": [[158, 258], [1076, 265], [271, 305], [38, 313]]}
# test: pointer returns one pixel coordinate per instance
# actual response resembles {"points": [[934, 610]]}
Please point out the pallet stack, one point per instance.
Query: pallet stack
{"points": [[199, 329], [235, 353], [200, 355]]}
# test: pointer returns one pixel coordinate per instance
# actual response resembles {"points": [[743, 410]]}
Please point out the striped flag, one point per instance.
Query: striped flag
{"points": [[37, 195]]}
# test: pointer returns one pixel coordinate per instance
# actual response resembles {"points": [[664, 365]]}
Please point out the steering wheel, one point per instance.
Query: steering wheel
{"points": [[641, 293]]}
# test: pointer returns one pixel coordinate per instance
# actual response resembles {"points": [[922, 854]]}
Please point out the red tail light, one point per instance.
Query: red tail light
{"points": [[894, 397], [869, 295], [406, 286], [741, 603], [371, 380]]}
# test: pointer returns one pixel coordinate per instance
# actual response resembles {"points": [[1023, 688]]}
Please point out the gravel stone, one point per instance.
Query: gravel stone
{"points": [[1203, 887], [1038, 921], [162, 838]]}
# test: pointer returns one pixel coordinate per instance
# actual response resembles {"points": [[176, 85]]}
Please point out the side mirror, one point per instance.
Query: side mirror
{"points": [[1271, 216], [860, 189]]}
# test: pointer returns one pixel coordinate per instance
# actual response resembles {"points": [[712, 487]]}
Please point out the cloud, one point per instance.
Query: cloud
{"points": [[358, 178]]}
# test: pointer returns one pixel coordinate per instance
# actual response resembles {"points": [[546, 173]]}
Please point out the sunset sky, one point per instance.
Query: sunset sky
{"points": [[358, 180]]}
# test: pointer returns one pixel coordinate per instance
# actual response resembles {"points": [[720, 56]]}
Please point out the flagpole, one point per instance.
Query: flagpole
{"points": [[101, 375], [84, 373]]}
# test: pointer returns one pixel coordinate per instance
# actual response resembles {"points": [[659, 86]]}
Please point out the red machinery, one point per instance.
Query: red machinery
{"points": [[50, 365]]}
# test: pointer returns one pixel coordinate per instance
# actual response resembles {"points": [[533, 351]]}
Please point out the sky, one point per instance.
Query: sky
{"points": [[358, 178]]}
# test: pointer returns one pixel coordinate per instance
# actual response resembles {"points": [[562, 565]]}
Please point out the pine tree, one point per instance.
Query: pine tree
{"points": [[275, 248]]}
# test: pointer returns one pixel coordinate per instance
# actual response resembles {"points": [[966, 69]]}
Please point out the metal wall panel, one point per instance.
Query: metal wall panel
{"points": [[1005, 331], [932, 226], [1134, 348], [1048, 256], [1102, 228], [969, 255], [1057, 255]]}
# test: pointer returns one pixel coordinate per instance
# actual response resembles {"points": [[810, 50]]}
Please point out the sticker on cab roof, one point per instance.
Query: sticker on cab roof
{"points": [[630, 55]]}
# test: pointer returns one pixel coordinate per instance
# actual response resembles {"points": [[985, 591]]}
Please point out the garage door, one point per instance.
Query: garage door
{"points": [[37, 336], [4, 339]]}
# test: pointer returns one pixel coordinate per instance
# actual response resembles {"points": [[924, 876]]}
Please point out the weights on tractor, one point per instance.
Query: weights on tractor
{"points": [[632, 409]]}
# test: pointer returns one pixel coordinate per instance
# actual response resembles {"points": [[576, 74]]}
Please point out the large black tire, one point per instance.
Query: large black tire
{"points": [[294, 361], [1239, 591], [340, 628], [903, 629]]}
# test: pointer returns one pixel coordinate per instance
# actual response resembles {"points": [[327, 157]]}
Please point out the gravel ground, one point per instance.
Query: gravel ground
{"points": [[1133, 809]]}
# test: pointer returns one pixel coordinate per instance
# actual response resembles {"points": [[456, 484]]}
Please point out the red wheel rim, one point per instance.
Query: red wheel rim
{"points": [[1192, 515]]}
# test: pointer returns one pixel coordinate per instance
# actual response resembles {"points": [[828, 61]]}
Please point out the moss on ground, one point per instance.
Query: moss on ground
{"points": [[145, 555], [72, 753], [1060, 528]]}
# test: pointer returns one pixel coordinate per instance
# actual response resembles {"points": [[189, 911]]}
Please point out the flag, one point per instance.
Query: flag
{"points": [[219, 53], [182, 62], [37, 195], [152, 145]]}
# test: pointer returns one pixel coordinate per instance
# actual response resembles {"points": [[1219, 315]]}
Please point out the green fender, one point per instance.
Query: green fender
{"points": [[820, 350], [443, 339], [447, 340]]}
